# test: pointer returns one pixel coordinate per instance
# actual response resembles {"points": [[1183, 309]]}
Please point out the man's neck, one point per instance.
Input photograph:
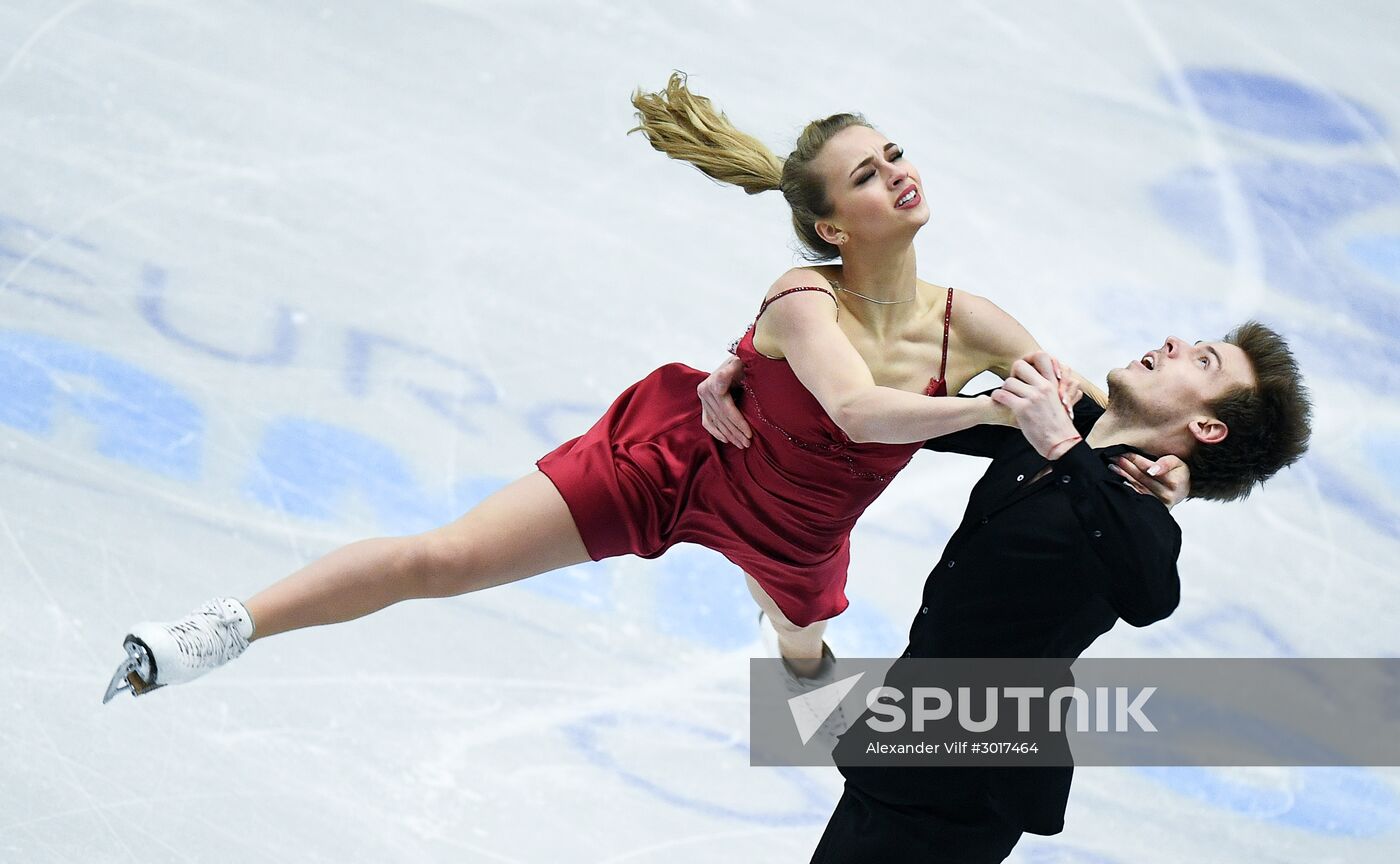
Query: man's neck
{"points": [[1112, 429]]}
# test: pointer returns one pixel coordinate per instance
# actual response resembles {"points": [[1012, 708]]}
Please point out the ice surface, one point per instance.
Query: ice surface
{"points": [[278, 276]]}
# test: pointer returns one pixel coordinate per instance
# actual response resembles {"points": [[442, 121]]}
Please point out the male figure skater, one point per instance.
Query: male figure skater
{"points": [[1055, 547]]}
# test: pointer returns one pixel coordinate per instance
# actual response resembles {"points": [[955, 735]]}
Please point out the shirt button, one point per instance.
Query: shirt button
{"points": [[984, 520], [1098, 533], [950, 563], [906, 653], [925, 611], [1020, 477], [1064, 478]]}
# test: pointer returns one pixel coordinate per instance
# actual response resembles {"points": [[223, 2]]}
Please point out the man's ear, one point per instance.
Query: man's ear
{"points": [[1208, 430]]}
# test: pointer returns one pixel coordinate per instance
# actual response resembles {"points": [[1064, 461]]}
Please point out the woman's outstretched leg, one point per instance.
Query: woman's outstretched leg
{"points": [[521, 530]]}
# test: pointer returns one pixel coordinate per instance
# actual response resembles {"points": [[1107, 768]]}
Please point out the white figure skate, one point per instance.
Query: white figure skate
{"points": [[173, 653]]}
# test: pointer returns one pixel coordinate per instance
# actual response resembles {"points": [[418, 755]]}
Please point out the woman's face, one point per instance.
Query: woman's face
{"points": [[870, 184]]}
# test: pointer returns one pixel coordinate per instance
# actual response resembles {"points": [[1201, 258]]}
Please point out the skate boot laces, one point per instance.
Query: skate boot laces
{"points": [[208, 637]]}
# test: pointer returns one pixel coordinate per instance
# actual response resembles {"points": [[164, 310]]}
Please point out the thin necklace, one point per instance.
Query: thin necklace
{"points": [[837, 286]]}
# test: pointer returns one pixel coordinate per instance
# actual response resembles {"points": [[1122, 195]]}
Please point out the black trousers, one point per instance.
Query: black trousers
{"points": [[865, 829]]}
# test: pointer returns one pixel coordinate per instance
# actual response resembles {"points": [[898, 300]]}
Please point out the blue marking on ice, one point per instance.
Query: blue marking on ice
{"points": [[1340, 802], [282, 341], [589, 736], [702, 597], [139, 418], [1278, 107], [310, 468], [1378, 253]]}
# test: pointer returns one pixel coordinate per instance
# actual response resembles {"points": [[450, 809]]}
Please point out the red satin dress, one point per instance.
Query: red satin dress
{"points": [[647, 476]]}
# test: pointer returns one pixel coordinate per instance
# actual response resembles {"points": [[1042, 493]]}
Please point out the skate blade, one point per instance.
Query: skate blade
{"points": [[135, 674]]}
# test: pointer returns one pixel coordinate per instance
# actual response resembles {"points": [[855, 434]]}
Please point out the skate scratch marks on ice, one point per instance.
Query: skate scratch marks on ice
{"points": [[49, 24], [1248, 259], [685, 841]]}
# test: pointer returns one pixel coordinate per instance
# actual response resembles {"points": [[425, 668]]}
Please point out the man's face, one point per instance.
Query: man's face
{"points": [[1172, 387]]}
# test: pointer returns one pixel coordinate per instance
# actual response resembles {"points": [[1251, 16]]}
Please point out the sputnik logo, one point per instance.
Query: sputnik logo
{"points": [[810, 710]]}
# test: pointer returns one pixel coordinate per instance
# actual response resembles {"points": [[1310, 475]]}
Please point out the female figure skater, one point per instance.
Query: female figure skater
{"points": [[839, 367]]}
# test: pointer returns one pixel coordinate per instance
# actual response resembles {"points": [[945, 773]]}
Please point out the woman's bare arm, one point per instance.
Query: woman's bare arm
{"points": [[804, 326]]}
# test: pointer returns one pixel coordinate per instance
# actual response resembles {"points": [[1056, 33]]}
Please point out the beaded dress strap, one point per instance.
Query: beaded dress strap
{"points": [[947, 320], [800, 288]]}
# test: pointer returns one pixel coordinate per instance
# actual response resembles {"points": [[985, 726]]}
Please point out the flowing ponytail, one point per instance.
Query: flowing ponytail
{"points": [[687, 127]]}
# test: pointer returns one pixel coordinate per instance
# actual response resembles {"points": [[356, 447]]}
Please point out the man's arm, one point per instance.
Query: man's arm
{"points": [[1132, 534], [984, 440]]}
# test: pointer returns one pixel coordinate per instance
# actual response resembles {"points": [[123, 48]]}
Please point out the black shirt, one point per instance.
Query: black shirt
{"points": [[1037, 568], [1042, 569]]}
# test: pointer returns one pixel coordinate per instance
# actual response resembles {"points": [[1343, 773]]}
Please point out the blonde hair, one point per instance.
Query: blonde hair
{"points": [[688, 127]]}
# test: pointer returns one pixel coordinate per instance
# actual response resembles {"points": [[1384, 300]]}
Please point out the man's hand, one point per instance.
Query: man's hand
{"points": [[1168, 479], [1068, 384], [1070, 391], [1033, 395], [720, 416]]}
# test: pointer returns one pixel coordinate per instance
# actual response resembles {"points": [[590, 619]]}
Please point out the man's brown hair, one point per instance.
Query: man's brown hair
{"points": [[1269, 424]]}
